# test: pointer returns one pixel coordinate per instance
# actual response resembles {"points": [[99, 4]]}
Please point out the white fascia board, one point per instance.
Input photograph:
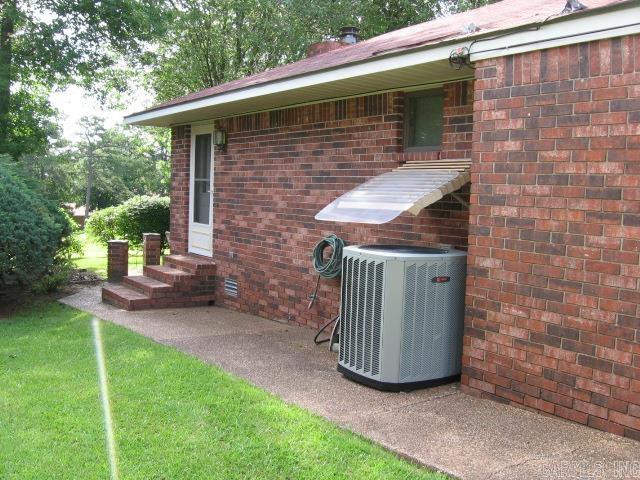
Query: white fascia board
{"points": [[378, 65], [582, 28]]}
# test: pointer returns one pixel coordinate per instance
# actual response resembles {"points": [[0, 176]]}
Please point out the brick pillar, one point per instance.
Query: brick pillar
{"points": [[151, 248], [117, 260]]}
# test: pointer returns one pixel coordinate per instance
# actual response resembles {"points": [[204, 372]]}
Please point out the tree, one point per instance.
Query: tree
{"points": [[32, 122], [55, 174], [56, 42], [115, 164], [210, 42], [215, 41]]}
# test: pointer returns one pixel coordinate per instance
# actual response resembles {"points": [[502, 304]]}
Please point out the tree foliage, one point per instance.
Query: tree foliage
{"points": [[57, 42], [209, 42], [32, 122], [33, 231], [118, 162], [115, 164]]}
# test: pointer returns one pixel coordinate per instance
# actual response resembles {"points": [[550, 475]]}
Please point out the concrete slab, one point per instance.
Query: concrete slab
{"points": [[438, 427]]}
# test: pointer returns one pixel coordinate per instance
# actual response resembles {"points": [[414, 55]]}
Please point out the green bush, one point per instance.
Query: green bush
{"points": [[71, 244], [33, 231], [143, 214], [56, 277], [102, 224], [138, 215]]}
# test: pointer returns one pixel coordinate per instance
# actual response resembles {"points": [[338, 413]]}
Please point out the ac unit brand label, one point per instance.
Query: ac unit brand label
{"points": [[440, 279]]}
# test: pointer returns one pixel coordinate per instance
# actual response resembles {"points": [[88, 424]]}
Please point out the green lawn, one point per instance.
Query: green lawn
{"points": [[94, 257], [175, 417]]}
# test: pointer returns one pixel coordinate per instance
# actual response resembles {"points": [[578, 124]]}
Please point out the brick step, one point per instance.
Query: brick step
{"points": [[195, 264], [169, 275], [182, 301], [184, 281], [149, 286], [126, 298]]}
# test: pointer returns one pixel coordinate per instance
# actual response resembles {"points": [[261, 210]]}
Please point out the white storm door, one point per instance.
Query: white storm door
{"points": [[201, 191]]}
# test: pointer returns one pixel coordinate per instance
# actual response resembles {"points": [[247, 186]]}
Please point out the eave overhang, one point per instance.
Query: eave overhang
{"points": [[408, 69]]}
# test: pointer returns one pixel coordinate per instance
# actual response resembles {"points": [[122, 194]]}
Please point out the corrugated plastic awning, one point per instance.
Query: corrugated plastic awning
{"points": [[409, 188]]}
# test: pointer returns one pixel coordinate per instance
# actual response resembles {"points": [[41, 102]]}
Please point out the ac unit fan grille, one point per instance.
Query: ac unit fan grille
{"points": [[361, 314], [425, 324]]}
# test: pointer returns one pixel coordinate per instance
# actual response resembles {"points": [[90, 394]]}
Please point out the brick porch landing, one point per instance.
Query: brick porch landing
{"points": [[183, 281]]}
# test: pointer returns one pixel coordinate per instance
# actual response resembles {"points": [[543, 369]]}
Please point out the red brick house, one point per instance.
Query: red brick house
{"points": [[546, 104]]}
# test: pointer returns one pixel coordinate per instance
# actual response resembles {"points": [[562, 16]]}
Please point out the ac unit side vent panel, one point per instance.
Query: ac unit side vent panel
{"points": [[361, 314]]}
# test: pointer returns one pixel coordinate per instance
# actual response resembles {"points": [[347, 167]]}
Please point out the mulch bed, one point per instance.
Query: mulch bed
{"points": [[84, 276], [16, 299]]}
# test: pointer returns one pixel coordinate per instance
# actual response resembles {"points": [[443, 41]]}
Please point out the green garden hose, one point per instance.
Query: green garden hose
{"points": [[332, 267]]}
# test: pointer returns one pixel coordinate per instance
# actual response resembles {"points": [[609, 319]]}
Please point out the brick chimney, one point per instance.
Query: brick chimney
{"points": [[348, 36], [324, 47]]}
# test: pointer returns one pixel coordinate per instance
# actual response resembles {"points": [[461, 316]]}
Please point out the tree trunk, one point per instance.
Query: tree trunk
{"points": [[87, 204], [7, 16]]}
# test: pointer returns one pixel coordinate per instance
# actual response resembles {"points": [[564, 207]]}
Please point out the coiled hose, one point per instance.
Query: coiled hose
{"points": [[331, 268]]}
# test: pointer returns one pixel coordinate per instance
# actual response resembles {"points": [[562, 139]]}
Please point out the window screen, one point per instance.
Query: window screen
{"points": [[423, 120], [202, 179]]}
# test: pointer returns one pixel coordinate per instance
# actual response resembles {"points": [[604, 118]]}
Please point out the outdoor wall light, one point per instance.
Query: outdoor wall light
{"points": [[220, 139]]}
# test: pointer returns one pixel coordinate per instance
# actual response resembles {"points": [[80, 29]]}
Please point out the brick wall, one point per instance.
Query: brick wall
{"points": [[282, 167], [179, 192], [553, 301]]}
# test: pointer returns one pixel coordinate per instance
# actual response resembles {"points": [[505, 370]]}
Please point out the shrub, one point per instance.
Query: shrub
{"points": [[143, 214], [102, 224], [71, 244], [138, 215], [56, 277], [33, 231]]}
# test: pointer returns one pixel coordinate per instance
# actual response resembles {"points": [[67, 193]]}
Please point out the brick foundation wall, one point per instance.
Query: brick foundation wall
{"points": [[281, 167], [553, 301]]}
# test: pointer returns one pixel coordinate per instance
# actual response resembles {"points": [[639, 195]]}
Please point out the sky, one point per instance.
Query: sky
{"points": [[74, 102]]}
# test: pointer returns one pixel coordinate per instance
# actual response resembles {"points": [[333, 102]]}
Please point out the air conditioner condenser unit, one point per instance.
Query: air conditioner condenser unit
{"points": [[401, 315]]}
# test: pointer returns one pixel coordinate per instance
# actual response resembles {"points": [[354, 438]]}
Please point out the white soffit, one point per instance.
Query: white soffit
{"points": [[360, 79], [383, 198]]}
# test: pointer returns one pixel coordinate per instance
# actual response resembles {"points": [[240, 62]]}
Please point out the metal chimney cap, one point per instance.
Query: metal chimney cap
{"points": [[349, 35]]}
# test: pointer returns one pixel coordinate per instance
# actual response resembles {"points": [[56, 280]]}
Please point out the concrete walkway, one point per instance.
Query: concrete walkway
{"points": [[439, 427]]}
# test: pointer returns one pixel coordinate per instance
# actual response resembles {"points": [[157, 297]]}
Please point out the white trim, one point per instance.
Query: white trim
{"points": [[583, 27], [408, 88], [208, 228]]}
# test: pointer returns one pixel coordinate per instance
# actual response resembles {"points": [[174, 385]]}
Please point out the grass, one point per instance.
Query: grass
{"points": [[174, 416], [94, 257]]}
